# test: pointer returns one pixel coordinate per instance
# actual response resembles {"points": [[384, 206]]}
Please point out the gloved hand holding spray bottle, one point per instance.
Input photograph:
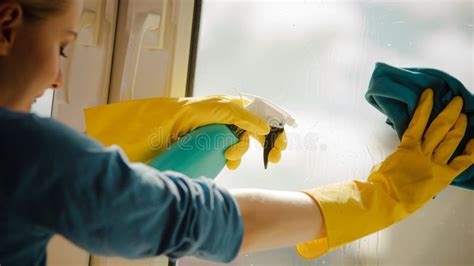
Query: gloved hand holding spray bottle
{"points": [[201, 152]]}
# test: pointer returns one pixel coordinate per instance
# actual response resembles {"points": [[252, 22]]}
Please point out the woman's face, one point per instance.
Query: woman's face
{"points": [[30, 64]]}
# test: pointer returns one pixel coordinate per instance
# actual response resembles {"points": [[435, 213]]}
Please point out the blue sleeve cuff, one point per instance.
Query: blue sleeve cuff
{"points": [[218, 224]]}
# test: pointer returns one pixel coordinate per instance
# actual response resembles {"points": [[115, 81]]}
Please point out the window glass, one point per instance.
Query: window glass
{"points": [[44, 104], [315, 59]]}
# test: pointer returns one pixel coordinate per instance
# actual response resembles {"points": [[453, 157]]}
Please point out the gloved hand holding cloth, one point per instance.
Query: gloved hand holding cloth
{"points": [[395, 91], [418, 170], [144, 128]]}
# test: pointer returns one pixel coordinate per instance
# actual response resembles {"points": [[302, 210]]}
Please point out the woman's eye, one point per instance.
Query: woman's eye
{"points": [[61, 52]]}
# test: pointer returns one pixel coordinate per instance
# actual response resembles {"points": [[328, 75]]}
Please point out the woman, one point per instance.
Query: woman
{"points": [[55, 180]]}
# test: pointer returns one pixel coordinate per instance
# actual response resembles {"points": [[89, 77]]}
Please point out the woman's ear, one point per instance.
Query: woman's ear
{"points": [[11, 17]]}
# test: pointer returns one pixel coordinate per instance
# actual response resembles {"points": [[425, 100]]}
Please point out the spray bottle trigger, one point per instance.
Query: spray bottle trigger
{"points": [[270, 140]]}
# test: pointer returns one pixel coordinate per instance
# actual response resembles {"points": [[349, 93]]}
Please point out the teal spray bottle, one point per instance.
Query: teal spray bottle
{"points": [[200, 153]]}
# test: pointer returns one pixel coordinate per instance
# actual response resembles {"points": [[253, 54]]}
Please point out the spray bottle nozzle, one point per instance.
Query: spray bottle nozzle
{"points": [[275, 117]]}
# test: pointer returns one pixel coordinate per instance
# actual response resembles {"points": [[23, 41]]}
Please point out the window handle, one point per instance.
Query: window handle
{"points": [[89, 34], [150, 36], [164, 16], [91, 22]]}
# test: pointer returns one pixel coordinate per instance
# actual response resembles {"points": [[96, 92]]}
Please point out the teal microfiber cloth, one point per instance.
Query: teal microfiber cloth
{"points": [[395, 92]]}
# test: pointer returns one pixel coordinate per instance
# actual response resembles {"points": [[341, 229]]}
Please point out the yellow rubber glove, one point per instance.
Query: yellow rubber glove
{"points": [[409, 178], [235, 153], [144, 128]]}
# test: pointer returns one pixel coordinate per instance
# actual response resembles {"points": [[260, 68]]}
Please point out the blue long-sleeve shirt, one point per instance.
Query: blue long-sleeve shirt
{"points": [[55, 180]]}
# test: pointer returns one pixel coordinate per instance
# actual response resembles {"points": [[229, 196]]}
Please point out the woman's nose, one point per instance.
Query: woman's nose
{"points": [[58, 83]]}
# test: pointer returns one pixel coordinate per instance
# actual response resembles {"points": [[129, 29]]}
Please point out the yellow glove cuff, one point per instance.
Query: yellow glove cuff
{"points": [[350, 211]]}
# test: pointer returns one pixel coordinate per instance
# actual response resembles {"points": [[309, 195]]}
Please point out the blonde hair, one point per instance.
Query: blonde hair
{"points": [[37, 10]]}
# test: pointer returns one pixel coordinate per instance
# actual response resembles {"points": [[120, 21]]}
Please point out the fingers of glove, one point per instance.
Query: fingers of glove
{"points": [[376, 167], [249, 122], [274, 156], [227, 110], [441, 125], [462, 162], [448, 145], [420, 118], [260, 139], [281, 142], [232, 165], [237, 151]]}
